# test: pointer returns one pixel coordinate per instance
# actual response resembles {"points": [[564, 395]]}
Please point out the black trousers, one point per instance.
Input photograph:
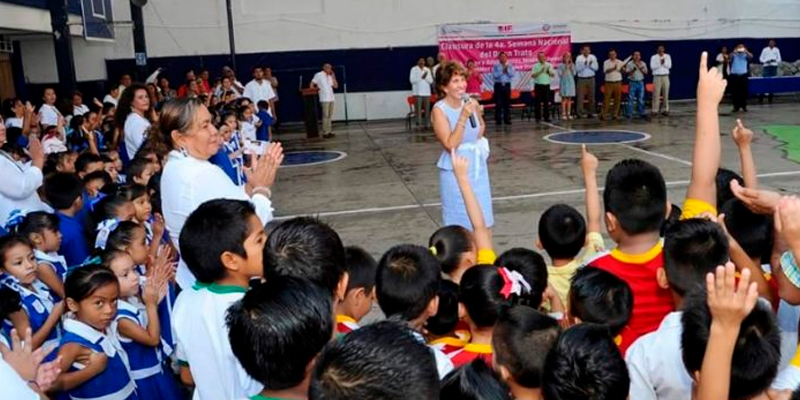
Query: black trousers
{"points": [[502, 102], [738, 87], [541, 101]]}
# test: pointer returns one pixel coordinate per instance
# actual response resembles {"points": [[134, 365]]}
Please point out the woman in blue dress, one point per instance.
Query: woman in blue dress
{"points": [[453, 118], [566, 73]]}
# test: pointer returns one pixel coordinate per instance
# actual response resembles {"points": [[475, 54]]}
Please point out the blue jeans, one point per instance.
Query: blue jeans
{"points": [[769, 72], [635, 95]]}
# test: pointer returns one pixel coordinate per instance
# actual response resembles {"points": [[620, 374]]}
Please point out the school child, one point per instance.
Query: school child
{"points": [[139, 327], [276, 341], [41, 229], [19, 273], [521, 340], [224, 257], [357, 303], [93, 362], [384, 360]]}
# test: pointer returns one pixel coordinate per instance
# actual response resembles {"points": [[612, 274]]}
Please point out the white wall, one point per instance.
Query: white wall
{"points": [[183, 27]]}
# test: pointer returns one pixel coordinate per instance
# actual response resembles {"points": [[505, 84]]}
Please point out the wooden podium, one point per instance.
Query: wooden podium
{"points": [[310, 118]]}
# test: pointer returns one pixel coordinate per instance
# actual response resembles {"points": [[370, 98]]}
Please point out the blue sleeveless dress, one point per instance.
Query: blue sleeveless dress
{"points": [[55, 261], [38, 304], [475, 149], [115, 382], [147, 366]]}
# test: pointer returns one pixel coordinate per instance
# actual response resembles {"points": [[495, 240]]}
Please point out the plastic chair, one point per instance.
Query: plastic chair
{"points": [[412, 104]]}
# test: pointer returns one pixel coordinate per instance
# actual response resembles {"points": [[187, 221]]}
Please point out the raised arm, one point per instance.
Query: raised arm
{"points": [[589, 165], [481, 232], [706, 154], [729, 305], [743, 138]]}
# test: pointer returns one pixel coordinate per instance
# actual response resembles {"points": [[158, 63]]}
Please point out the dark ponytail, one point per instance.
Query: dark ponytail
{"points": [[448, 245]]}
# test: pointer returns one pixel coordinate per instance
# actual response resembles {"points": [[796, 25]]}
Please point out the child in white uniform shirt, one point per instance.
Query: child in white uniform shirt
{"points": [[223, 271], [692, 249]]}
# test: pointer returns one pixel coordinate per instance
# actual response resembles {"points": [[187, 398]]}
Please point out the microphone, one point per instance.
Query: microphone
{"points": [[465, 98]]}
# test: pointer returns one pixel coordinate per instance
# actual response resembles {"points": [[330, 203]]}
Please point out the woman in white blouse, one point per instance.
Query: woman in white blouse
{"points": [[133, 118], [189, 179], [19, 181]]}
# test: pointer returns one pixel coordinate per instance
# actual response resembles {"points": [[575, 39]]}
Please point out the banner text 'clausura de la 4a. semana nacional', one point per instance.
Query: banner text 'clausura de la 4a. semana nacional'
{"points": [[521, 42]]}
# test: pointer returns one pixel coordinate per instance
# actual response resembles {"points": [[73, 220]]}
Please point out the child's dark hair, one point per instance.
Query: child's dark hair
{"points": [[98, 175], [407, 280], [562, 231], [10, 302], [446, 318], [451, 242], [752, 231], [381, 361], [122, 236], [755, 357], [154, 190], [85, 159], [693, 248], [474, 381], [521, 340], [635, 193], [110, 254], [37, 222], [272, 337], [673, 217], [133, 191], [480, 294], [585, 364], [723, 183], [52, 162], [136, 167], [216, 227], [105, 208], [7, 242], [599, 297], [62, 189], [532, 267], [361, 269], [262, 104], [305, 248], [82, 282]]}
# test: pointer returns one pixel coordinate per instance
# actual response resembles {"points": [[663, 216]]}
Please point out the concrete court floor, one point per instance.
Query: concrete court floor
{"points": [[385, 191]]}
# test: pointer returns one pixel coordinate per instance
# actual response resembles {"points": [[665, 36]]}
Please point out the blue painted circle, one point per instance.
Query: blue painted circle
{"points": [[307, 158], [597, 136]]}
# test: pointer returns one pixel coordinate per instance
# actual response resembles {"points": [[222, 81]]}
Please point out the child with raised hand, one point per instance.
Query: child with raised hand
{"points": [[566, 237], [19, 273], [41, 229], [92, 358], [485, 292], [457, 248], [522, 338], [358, 298], [138, 324], [692, 249], [731, 343]]}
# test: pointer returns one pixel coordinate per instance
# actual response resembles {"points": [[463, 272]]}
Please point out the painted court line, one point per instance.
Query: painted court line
{"points": [[495, 200], [660, 155]]}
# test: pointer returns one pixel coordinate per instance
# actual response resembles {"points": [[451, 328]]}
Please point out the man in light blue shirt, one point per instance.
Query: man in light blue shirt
{"points": [[737, 80], [503, 73]]}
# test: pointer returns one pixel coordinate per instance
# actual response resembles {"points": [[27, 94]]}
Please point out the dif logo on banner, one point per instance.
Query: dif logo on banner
{"points": [[521, 42]]}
